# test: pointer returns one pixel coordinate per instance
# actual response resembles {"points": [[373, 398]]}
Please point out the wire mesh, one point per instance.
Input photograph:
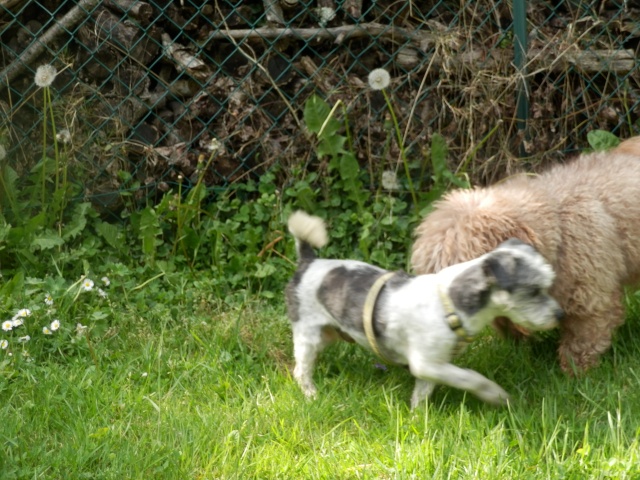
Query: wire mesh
{"points": [[146, 90]]}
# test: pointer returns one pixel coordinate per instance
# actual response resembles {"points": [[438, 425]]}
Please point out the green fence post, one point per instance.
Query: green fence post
{"points": [[520, 60]]}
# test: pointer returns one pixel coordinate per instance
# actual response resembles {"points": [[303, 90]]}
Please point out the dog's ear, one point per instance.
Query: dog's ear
{"points": [[499, 269], [470, 290]]}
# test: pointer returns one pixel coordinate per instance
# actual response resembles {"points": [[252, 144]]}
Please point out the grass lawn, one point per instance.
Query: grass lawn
{"points": [[205, 393]]}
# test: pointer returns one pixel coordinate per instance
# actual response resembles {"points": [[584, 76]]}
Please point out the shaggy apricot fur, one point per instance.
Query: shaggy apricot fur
{"points": [[583, 217]]}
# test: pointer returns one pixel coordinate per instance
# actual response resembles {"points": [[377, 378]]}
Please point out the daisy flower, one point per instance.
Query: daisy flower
{"points": [[87, 284], [7, 325], [24, 339], [379, 79], [4, 344], [55, 325], [17, 321], [48, 299], [106, 281], [45, 75], [24, 312], [46, 331], [80, 328], [102, 293]]}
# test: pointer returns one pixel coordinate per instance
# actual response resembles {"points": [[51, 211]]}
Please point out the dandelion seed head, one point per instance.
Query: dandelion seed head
{"points": [[87, 284], [45, 74], [55, 325], [390, 180], [7, 325], [64, 136], [46, 331], [325, 15], [4, 344], [3, 153], [379, 79]]}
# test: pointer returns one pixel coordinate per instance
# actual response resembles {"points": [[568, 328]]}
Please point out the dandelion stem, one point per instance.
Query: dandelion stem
{"points": [[400, 140]]}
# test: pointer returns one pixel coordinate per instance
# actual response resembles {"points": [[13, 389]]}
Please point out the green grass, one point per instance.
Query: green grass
{"points": [[205, 393]]}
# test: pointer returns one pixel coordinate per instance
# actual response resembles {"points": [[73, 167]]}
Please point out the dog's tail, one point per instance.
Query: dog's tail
{"points": [[309, 232]]}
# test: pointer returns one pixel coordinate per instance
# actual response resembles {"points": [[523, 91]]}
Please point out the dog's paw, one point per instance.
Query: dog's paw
{"points": [[494, 394]]}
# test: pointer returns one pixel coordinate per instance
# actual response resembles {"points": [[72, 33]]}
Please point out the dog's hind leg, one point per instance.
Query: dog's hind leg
{"points": [[308, 342], [453, 376]]}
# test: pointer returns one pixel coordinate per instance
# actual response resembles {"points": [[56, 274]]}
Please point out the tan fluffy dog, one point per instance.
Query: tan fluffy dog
{"points": [[583, 217]]}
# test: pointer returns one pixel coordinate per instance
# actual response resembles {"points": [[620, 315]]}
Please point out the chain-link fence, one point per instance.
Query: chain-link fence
{"points": [[147, 90]]}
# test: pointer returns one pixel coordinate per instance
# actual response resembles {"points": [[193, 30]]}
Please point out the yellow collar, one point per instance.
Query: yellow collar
{"points": [[367, 313]]}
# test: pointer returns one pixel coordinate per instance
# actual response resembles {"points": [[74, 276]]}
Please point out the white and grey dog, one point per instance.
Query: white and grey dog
{"points": [[420, 321]]}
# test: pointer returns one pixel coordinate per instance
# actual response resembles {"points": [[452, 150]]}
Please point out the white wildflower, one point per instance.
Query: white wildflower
{"points": [[3, 153], [46, 331], [24, 339], [379, 79], [25, 312], [80, 328], [102, 293], [7, 325], [144, 374], [106, 281], [214, 145], [4, 344], [64, 136], [45, 74], [17, 321], [55, 325], [325, 15], [87, 284], [48, 299], [390, 180]]}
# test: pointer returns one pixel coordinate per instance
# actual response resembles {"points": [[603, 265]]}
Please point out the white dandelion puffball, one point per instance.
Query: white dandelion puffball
{"points": [[390, 180], [64, 136], [325, 15], [55, 325], [46, 331], [45, 74], [379, 79], [87, 284], [4, 344], [3, 152], [7, 326]]}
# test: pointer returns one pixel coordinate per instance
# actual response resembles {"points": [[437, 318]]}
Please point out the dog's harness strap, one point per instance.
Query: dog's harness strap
{"points": [[454, 320], [367, 312]]}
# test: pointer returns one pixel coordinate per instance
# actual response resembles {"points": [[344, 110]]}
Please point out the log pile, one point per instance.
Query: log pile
{"points": [[149, 86]]}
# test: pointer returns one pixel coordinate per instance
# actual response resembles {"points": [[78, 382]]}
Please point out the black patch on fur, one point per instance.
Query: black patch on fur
{"points": [[344, 291], [290, 294], [508, 270], [305, 252], [470, 291]]}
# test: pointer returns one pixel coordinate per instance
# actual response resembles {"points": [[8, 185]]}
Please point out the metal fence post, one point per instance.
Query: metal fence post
{"points": [[520, 60]]}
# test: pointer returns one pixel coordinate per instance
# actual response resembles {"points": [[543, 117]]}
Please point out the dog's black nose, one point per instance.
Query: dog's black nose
{"points": [[559, 314]]}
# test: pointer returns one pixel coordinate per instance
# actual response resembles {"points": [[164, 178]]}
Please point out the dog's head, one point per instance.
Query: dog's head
{"points": [[511, 281]]}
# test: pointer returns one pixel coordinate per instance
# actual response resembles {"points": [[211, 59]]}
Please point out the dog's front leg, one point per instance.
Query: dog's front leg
{"points": [[421, 392], [453, 376]]}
